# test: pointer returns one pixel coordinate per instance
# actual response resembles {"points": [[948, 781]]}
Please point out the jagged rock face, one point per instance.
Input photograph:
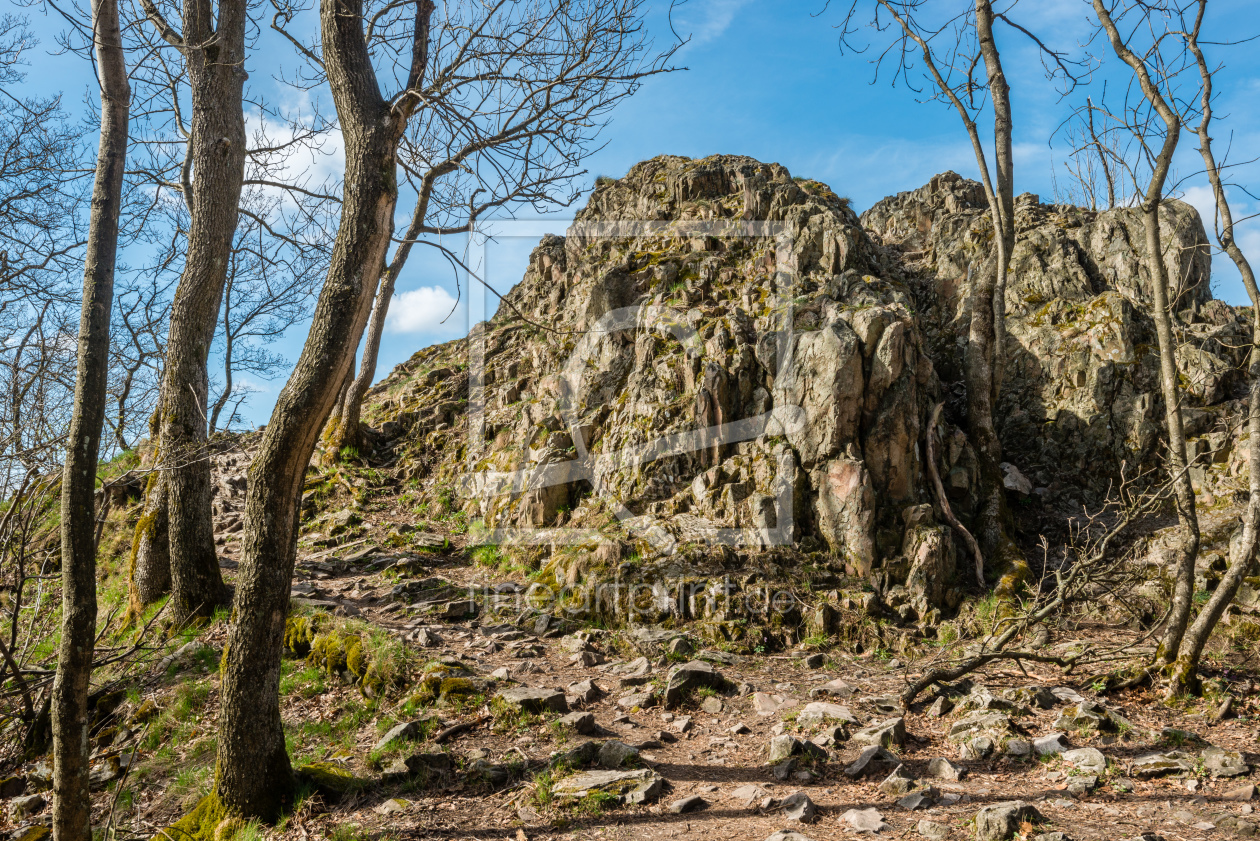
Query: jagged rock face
{"points": [[700, 379], [718, 354], [1081, 391]]}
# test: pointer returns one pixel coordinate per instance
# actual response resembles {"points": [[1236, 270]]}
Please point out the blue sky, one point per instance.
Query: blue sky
{"points": [[768, 79]]}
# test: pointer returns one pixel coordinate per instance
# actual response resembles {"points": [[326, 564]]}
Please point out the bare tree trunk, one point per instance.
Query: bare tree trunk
{"points": [[215, 58], [1187, 516], [254, 777], [1184, 674], [1004, 192], [72, 805], [986, 333]]}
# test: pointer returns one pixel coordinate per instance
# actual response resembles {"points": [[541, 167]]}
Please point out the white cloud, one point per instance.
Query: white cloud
{"points": [[705, 20], [422, 310], [1202, 199]]}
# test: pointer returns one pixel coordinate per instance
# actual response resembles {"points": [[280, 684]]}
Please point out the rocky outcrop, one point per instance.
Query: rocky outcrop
{"points": [[722, 369], [1081, 393]]}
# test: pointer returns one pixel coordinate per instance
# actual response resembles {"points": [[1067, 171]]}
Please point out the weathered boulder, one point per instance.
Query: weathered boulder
{"points": [[1001, 821], [629, 787]]}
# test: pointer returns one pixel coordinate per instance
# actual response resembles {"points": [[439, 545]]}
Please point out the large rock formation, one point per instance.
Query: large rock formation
{"points": [[721, 368], [1081, 391]]}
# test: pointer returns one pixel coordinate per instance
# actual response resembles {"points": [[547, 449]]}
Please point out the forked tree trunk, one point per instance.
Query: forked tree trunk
{"points": [[214, 56], [254, 777], [72, 805], [1183, 492]]}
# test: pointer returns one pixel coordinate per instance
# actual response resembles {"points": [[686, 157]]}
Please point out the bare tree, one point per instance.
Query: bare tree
{"points": [[967, 39], [487, 140], [1183, 676], [212, 47], [254, 774], [1156, 79], [207, 161], [72, 805], [1098, 162]]}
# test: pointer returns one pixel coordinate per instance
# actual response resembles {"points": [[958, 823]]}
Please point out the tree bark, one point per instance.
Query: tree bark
{"points": [[214, 56], [1187, 516], [254, 776], [72, 805]]}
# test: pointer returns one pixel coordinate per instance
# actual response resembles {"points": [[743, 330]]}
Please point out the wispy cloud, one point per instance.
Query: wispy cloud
{"points": [[706, 20], [424, 310]]}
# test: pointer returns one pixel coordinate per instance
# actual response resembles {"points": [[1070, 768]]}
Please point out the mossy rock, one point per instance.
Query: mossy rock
{"points": [[208, 821], [147, 710], [299, 633], [33, 833], [332, 781]]}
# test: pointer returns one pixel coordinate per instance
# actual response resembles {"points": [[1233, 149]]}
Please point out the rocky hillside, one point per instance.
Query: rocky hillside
{"points": [[653, 553], [722, 369]]}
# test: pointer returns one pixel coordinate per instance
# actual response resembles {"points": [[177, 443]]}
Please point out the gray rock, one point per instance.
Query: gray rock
{"points": [[1019, 748], [899, 783], [820, 711], [615, 754], [21, 808], [941, 768], [921, 799], [798, 807], [941, 707], [835, 688], [872, 759], [688, 804], [580, 722], [1087, 760], [1240, 794], [687, 678], [530, 700], [788, 835], [1033, 696], [641, 700], [1001, 821], [981, 747], [629, 787], [749, 795], [785, 769], [781, 747], [406, 730], [1161, 764], [1082, 785], [585, 690], [1219, 762], [932, 829], [981, 721], [888, 734], [864, 820], [1049, 745], [712, 705]]}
